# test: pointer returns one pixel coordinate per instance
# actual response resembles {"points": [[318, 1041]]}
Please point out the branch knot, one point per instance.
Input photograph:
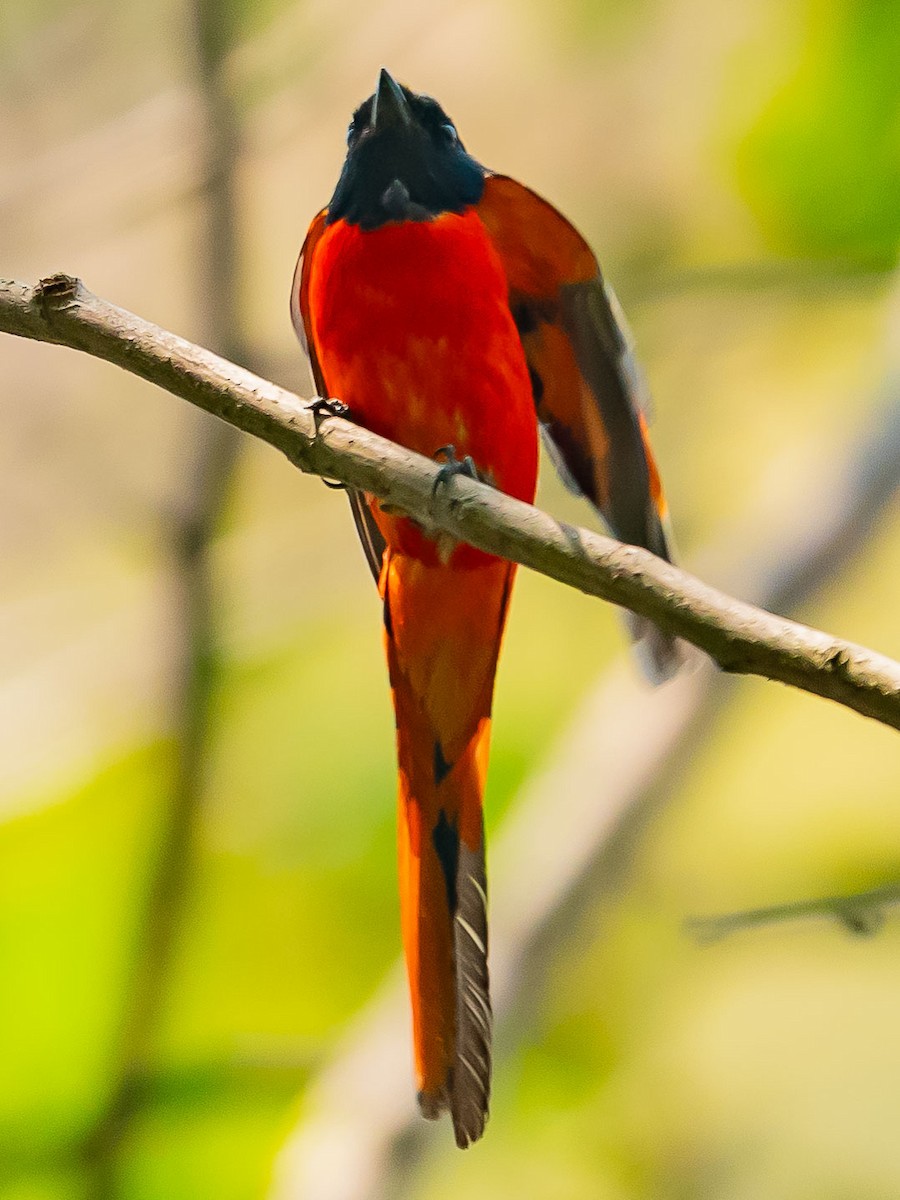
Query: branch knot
{"points": [[56, 292]]}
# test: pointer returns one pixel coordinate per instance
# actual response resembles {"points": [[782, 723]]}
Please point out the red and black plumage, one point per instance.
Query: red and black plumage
{"points": [[446, 305]]}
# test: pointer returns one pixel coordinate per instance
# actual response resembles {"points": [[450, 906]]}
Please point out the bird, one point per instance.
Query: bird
{"points": [[456, 312]]}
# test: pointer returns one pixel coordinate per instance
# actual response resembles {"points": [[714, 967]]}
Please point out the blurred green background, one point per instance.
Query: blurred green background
{"points": [[197, 890]]}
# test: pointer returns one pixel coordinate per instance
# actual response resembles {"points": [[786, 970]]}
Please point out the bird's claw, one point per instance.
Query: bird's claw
{"points": [[454, 466], [322, 408]]}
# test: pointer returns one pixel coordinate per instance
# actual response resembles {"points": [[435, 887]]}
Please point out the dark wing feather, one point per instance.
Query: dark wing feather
{"points": [[587, 388], [373, 543], [300, 295], [370, 535], [624, 494]]}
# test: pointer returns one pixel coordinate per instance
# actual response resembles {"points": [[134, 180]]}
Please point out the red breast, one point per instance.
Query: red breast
{"points": [[414, 332]]}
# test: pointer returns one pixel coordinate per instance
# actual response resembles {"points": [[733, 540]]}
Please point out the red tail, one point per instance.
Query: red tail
{"points": [[443, 634]]}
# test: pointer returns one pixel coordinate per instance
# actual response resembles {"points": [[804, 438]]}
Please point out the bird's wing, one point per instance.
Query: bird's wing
{"points": [[588, 391], [370, 536]]}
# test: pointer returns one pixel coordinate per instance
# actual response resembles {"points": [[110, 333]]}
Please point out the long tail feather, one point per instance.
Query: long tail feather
{"points": [[442, 653], [443, 890], [471, 1078]]}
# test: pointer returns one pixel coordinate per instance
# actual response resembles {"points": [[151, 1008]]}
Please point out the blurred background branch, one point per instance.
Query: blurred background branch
{"points": [[860, 913], [209, 458]]}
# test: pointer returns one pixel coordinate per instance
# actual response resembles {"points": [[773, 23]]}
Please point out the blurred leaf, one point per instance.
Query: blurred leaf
{"points": [[220, 1151], [821, 167], [48, 1185], [71, 876]]}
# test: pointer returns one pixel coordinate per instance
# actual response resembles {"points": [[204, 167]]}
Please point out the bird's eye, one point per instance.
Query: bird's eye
{"points": [[449, 134]]}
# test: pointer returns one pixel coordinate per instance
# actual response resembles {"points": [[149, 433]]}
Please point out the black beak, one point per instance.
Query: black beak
{"points": [[391, 108]]}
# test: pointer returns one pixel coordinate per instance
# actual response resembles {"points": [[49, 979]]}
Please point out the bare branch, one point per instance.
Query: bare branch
{"points": [[860, 913], [739, 637]]}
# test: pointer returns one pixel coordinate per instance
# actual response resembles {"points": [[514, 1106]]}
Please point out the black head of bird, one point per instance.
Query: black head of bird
{"points": [[405, 161]]}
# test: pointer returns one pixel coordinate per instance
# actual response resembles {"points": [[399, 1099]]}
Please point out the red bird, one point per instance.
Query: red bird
{"points": [[454, 310]]}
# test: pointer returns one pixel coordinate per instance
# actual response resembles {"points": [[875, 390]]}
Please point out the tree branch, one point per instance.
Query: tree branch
{"points": [[861, 913], [739, 637]]}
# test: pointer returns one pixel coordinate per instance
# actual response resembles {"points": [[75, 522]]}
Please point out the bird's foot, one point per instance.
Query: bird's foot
{"points": [[454, 466], [322, 408]]}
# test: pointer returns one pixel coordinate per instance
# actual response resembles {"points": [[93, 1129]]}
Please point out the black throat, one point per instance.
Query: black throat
{"points": [[404, 162]]}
